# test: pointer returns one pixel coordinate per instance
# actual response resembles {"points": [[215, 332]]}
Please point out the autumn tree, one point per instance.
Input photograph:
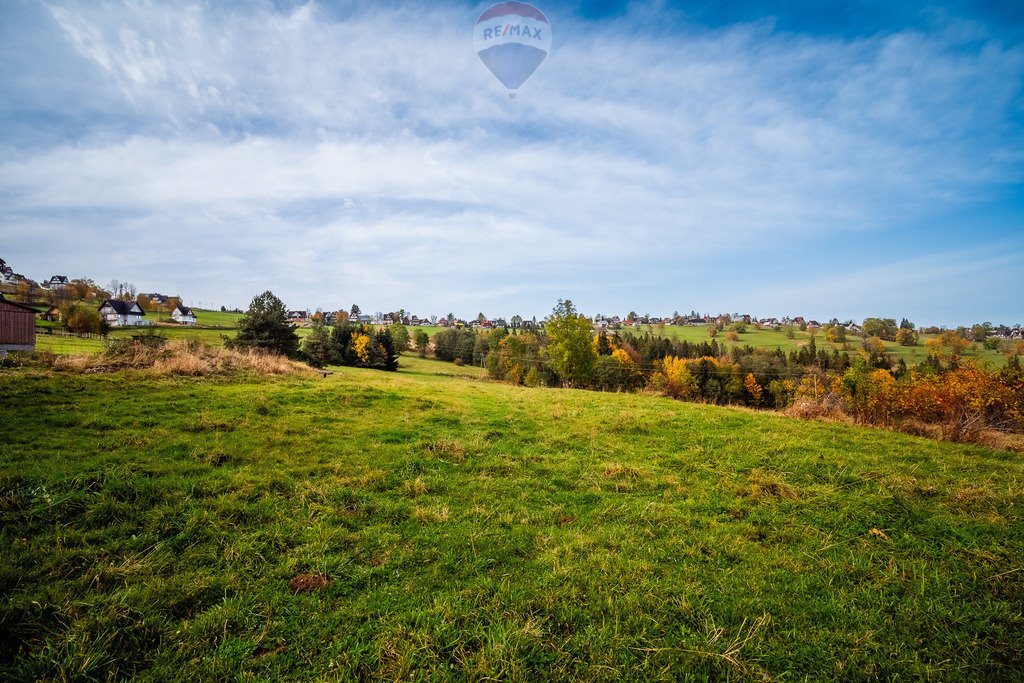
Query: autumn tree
{"points": [[906, 337], [570, 352], [80, 318]]}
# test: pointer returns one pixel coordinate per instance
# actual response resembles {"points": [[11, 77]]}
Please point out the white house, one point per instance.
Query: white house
{"points": [[119, 313], [183, 315], [57, 282]]}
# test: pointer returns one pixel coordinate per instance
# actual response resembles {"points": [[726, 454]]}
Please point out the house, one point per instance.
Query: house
{"points": [[52, 314], [183, 315], [119, 313], [17, 326], [57, 282], [298, 316]]}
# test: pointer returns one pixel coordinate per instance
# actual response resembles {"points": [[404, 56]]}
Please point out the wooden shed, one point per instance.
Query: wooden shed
{"points": [[17, 326]]}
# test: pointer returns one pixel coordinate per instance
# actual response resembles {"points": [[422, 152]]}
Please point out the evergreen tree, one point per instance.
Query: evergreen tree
{"points": [[317, 346], [382, 350], [265, 326], [341, 344]]}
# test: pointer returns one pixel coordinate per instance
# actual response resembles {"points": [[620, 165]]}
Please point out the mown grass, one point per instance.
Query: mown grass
{"points": [[216, 318], [476, 530]]}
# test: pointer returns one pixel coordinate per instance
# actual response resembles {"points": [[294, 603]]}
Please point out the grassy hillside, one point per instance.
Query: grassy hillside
{"points": [[471, 529]]}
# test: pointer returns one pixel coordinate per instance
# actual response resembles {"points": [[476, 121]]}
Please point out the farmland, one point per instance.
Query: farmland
{"points": [[471, 529], [216, 326]]}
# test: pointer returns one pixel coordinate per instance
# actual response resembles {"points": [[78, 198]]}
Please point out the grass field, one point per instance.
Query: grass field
{"points": [[216, 318], [474, 530]]}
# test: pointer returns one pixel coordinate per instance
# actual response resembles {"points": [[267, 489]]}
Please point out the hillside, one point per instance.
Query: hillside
{"points": [[470, 529]]}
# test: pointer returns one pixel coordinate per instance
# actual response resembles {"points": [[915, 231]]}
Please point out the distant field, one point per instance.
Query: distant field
{"points": [[216, 318], [68, 346], [472, 530], [767, 339]]}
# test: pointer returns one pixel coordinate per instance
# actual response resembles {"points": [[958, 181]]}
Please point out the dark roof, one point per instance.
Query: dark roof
{"points": [[17, 305], [185, 310], [121, 307], [59, 278]]}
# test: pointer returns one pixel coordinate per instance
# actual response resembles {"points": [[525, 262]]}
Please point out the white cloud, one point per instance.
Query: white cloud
{"points": [[312, 144]]}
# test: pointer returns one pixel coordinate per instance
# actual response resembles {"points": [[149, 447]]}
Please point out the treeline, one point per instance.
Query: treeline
{"points": [[354, 345], [867, 385], [265, 327]]}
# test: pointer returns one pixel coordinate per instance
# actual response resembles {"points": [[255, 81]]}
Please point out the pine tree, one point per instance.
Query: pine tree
{"points": [[317, 346], [265, 326]]}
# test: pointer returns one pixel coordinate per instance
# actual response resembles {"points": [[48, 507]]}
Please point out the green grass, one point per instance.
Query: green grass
{"points": [[769, 339], [67, 345], [216, 318], [476, 530], [213, 337]]}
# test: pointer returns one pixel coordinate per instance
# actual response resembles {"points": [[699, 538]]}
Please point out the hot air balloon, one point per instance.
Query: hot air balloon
{"points": [[512, 39]]}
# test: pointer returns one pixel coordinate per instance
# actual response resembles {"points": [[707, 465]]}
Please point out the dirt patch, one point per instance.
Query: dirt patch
{"points": [[564, 519], [306, 583]]}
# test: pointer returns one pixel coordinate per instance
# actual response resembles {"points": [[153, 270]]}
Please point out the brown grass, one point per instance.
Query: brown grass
{"points": [[176, 358]]}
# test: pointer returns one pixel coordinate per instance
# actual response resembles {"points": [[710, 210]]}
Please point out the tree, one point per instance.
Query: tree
{"points": [[422, 339], [883, 328], [265, 326], [317, 345], [400, 335], [835, 333], [354, 311], [382, 351], [570, 351], [905, 337], [81, 318]]}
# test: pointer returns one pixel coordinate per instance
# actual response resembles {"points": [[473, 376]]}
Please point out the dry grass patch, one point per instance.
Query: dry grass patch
{"points": [[446, 448], [416, 488], [182, 358], [769, 485], [431, 515]]}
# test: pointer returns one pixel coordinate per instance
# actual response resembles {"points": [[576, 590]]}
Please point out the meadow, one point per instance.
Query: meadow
{"points": [[431, 525]]}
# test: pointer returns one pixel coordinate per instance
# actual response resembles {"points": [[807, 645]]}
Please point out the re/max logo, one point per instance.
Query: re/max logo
{"points": [[511, 30]]}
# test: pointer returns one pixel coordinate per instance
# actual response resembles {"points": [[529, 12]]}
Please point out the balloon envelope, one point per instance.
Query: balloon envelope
{"points": [[512, 39]]}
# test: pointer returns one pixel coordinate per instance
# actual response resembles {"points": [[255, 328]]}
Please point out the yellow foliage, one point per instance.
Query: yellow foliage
{"points": [[679, 382], [753, 388], [361, 343], [623, 358]]}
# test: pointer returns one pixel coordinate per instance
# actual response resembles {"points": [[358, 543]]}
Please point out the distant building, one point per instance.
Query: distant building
{"points": [[17, 326], [119, 313], [57, 282], [183, 315]]}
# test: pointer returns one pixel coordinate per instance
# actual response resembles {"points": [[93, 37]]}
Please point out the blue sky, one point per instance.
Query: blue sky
{"points": [[843, 159]]}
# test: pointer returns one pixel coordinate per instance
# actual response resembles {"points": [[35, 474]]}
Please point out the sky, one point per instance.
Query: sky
{"points": [[847, 159]]}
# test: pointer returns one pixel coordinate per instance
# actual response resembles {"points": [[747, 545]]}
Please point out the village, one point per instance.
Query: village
{"points": [[40, 304]]}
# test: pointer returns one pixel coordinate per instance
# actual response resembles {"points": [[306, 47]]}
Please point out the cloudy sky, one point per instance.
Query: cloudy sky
{"points": [[846, 158]]}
